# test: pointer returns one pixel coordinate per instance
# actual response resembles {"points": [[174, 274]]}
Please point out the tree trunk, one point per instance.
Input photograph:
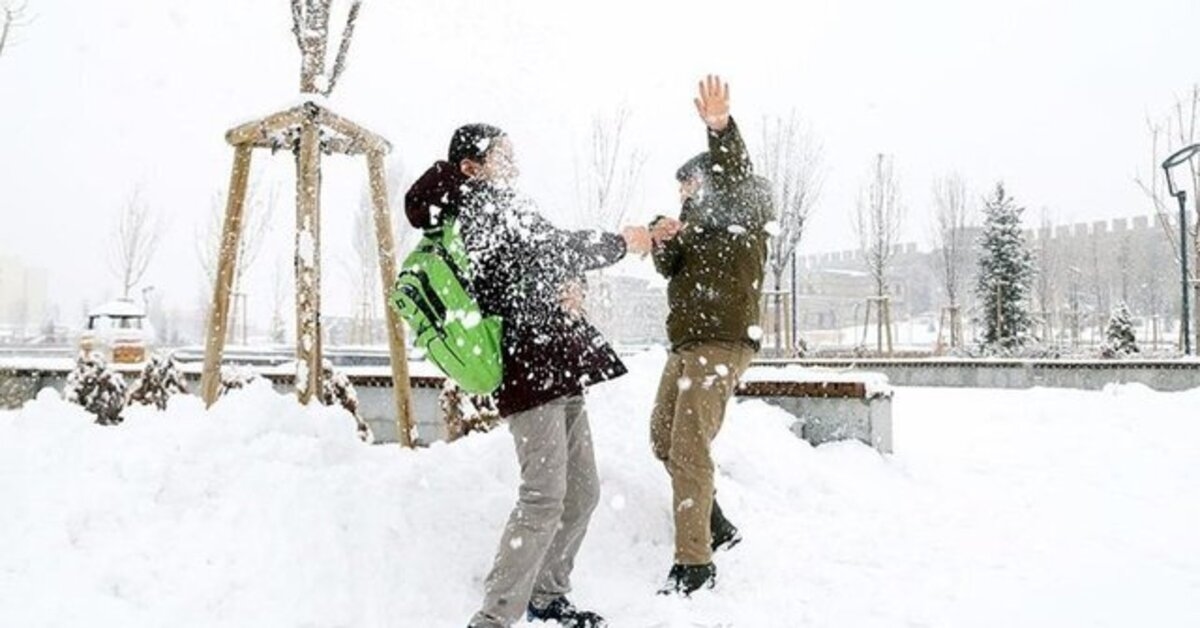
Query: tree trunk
{"points": [[778, 297]]}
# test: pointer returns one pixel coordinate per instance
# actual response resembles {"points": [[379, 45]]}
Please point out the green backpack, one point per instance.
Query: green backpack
{"points": [[430, 293]]}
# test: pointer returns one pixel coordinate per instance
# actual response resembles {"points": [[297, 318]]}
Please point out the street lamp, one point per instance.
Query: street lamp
{"points": [[1182, 156]]}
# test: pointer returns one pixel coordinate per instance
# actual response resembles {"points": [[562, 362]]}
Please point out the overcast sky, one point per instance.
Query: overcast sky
{"points": [[100, 98]]}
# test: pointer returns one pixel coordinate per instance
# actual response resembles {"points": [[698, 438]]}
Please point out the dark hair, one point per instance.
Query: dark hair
{"points": [[697, 166], [472, 141]]}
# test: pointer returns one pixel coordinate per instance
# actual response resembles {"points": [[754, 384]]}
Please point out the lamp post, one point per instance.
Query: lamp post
{"points": [[1182, 156]]}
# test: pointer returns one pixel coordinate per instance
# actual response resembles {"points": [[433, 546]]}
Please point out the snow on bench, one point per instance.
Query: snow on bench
{"points": [[828, 404]]}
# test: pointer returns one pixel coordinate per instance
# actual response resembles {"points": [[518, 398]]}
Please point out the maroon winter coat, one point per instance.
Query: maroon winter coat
{"points": [[519, 265]]}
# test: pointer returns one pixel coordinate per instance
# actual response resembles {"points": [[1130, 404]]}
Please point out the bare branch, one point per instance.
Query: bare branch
{"points": [[791, 159], [339, 63], [11, 17], [951, 220], [1179, 125], [610, 175], [135, 240], [877, 221], [297, 19], [259, 212]]}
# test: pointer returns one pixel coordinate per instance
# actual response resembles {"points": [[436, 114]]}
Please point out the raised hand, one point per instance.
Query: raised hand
{"points": [[713, 102]]}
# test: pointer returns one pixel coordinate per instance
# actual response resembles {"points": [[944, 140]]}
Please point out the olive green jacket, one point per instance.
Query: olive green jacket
{"points": [[715, 265]]}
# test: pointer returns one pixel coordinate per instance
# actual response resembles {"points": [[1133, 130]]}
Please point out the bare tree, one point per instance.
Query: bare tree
{"points": [[877, 221], [12, 17], [951, 240], [279, 294], [792, 160], [135, 239], [1048, 256], [1172, 132], [259, 211], [310, 25], [608, 172], [362, 269]]}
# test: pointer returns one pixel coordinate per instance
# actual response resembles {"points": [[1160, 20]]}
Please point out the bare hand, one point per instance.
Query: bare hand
{"points": [[664, 229], [637, 240], [713, 102], [571, 299]]}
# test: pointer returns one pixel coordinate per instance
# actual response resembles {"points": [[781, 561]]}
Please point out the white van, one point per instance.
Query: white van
{"points": [[118, 330]]}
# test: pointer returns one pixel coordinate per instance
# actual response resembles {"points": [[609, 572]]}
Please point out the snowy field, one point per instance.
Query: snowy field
{"points": [[1000, 508]]}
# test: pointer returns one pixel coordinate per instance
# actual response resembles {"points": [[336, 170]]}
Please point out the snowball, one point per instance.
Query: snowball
{"points": [[755, 332]]}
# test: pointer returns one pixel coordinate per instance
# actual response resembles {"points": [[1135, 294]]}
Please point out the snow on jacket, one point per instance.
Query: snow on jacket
{"points": [[520, 263], [715, 265]]}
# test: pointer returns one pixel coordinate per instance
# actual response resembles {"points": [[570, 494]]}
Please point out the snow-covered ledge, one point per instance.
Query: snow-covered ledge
{"points": [[828, 404]]}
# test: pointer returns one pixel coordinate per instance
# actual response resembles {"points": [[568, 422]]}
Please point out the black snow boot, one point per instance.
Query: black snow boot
{"points": [[725, 535], [564, 612], [685, 579]]}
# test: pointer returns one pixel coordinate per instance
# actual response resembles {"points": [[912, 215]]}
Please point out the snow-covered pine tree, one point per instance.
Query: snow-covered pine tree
{"points": [[160, 380], [1005, 278], [99, 389], [336, 388], [1120, 340]]}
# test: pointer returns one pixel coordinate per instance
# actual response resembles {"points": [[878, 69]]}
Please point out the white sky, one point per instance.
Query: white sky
{"points": [[101, 97]]}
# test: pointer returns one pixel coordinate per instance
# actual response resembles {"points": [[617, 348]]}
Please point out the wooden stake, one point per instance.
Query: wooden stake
{"points": [[308, 263], [262, 130], [387, 271], [218, 320]]}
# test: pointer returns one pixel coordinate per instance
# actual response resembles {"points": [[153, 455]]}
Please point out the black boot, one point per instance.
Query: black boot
{"points": [[685, 579], [564, 612], [725, 535]]}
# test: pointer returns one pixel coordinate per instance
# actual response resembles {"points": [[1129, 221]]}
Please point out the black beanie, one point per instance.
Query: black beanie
{"points": [[699, 165], [472, 141]]}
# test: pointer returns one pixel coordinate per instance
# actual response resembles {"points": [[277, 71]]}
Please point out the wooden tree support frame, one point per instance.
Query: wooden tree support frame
{"points": [[308, 130]]}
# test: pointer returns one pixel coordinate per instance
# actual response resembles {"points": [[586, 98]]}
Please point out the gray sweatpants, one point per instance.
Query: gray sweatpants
{"points": [[559, 490]]}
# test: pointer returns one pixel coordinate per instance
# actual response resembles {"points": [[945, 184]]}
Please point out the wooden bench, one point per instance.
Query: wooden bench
{"points": [[828, 405]]}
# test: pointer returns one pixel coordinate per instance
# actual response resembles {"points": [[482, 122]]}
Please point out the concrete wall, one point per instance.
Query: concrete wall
{"points": [[1163, 376]]}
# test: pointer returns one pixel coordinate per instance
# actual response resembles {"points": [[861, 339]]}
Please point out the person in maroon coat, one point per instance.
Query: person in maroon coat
{"points": [[530, 274]]}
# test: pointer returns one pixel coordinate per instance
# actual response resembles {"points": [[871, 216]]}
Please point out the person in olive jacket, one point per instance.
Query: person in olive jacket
{"points": [[528, 272], [714, 257]]}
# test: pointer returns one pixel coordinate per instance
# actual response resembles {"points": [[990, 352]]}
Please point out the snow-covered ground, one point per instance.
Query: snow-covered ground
{"points": [[1000, 508]]}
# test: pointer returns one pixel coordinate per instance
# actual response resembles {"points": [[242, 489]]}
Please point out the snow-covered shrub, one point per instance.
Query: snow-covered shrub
{"points": [[160, 380], [96, 387], [465, 413], [1120, 340], [336, 388], [235, 377]]}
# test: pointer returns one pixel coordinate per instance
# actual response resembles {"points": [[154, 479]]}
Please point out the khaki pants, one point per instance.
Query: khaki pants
{"points": [[696, 385], [559, 490]]}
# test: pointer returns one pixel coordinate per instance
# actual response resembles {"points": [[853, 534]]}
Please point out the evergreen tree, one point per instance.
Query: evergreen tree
{"points": [[1120, 339], [1005, 276]]}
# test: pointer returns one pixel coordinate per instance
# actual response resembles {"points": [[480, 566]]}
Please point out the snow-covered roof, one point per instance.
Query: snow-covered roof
{"points": [[119, 307]]}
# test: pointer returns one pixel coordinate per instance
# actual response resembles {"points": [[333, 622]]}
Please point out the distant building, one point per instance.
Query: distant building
{"points": [[23, 305]]}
